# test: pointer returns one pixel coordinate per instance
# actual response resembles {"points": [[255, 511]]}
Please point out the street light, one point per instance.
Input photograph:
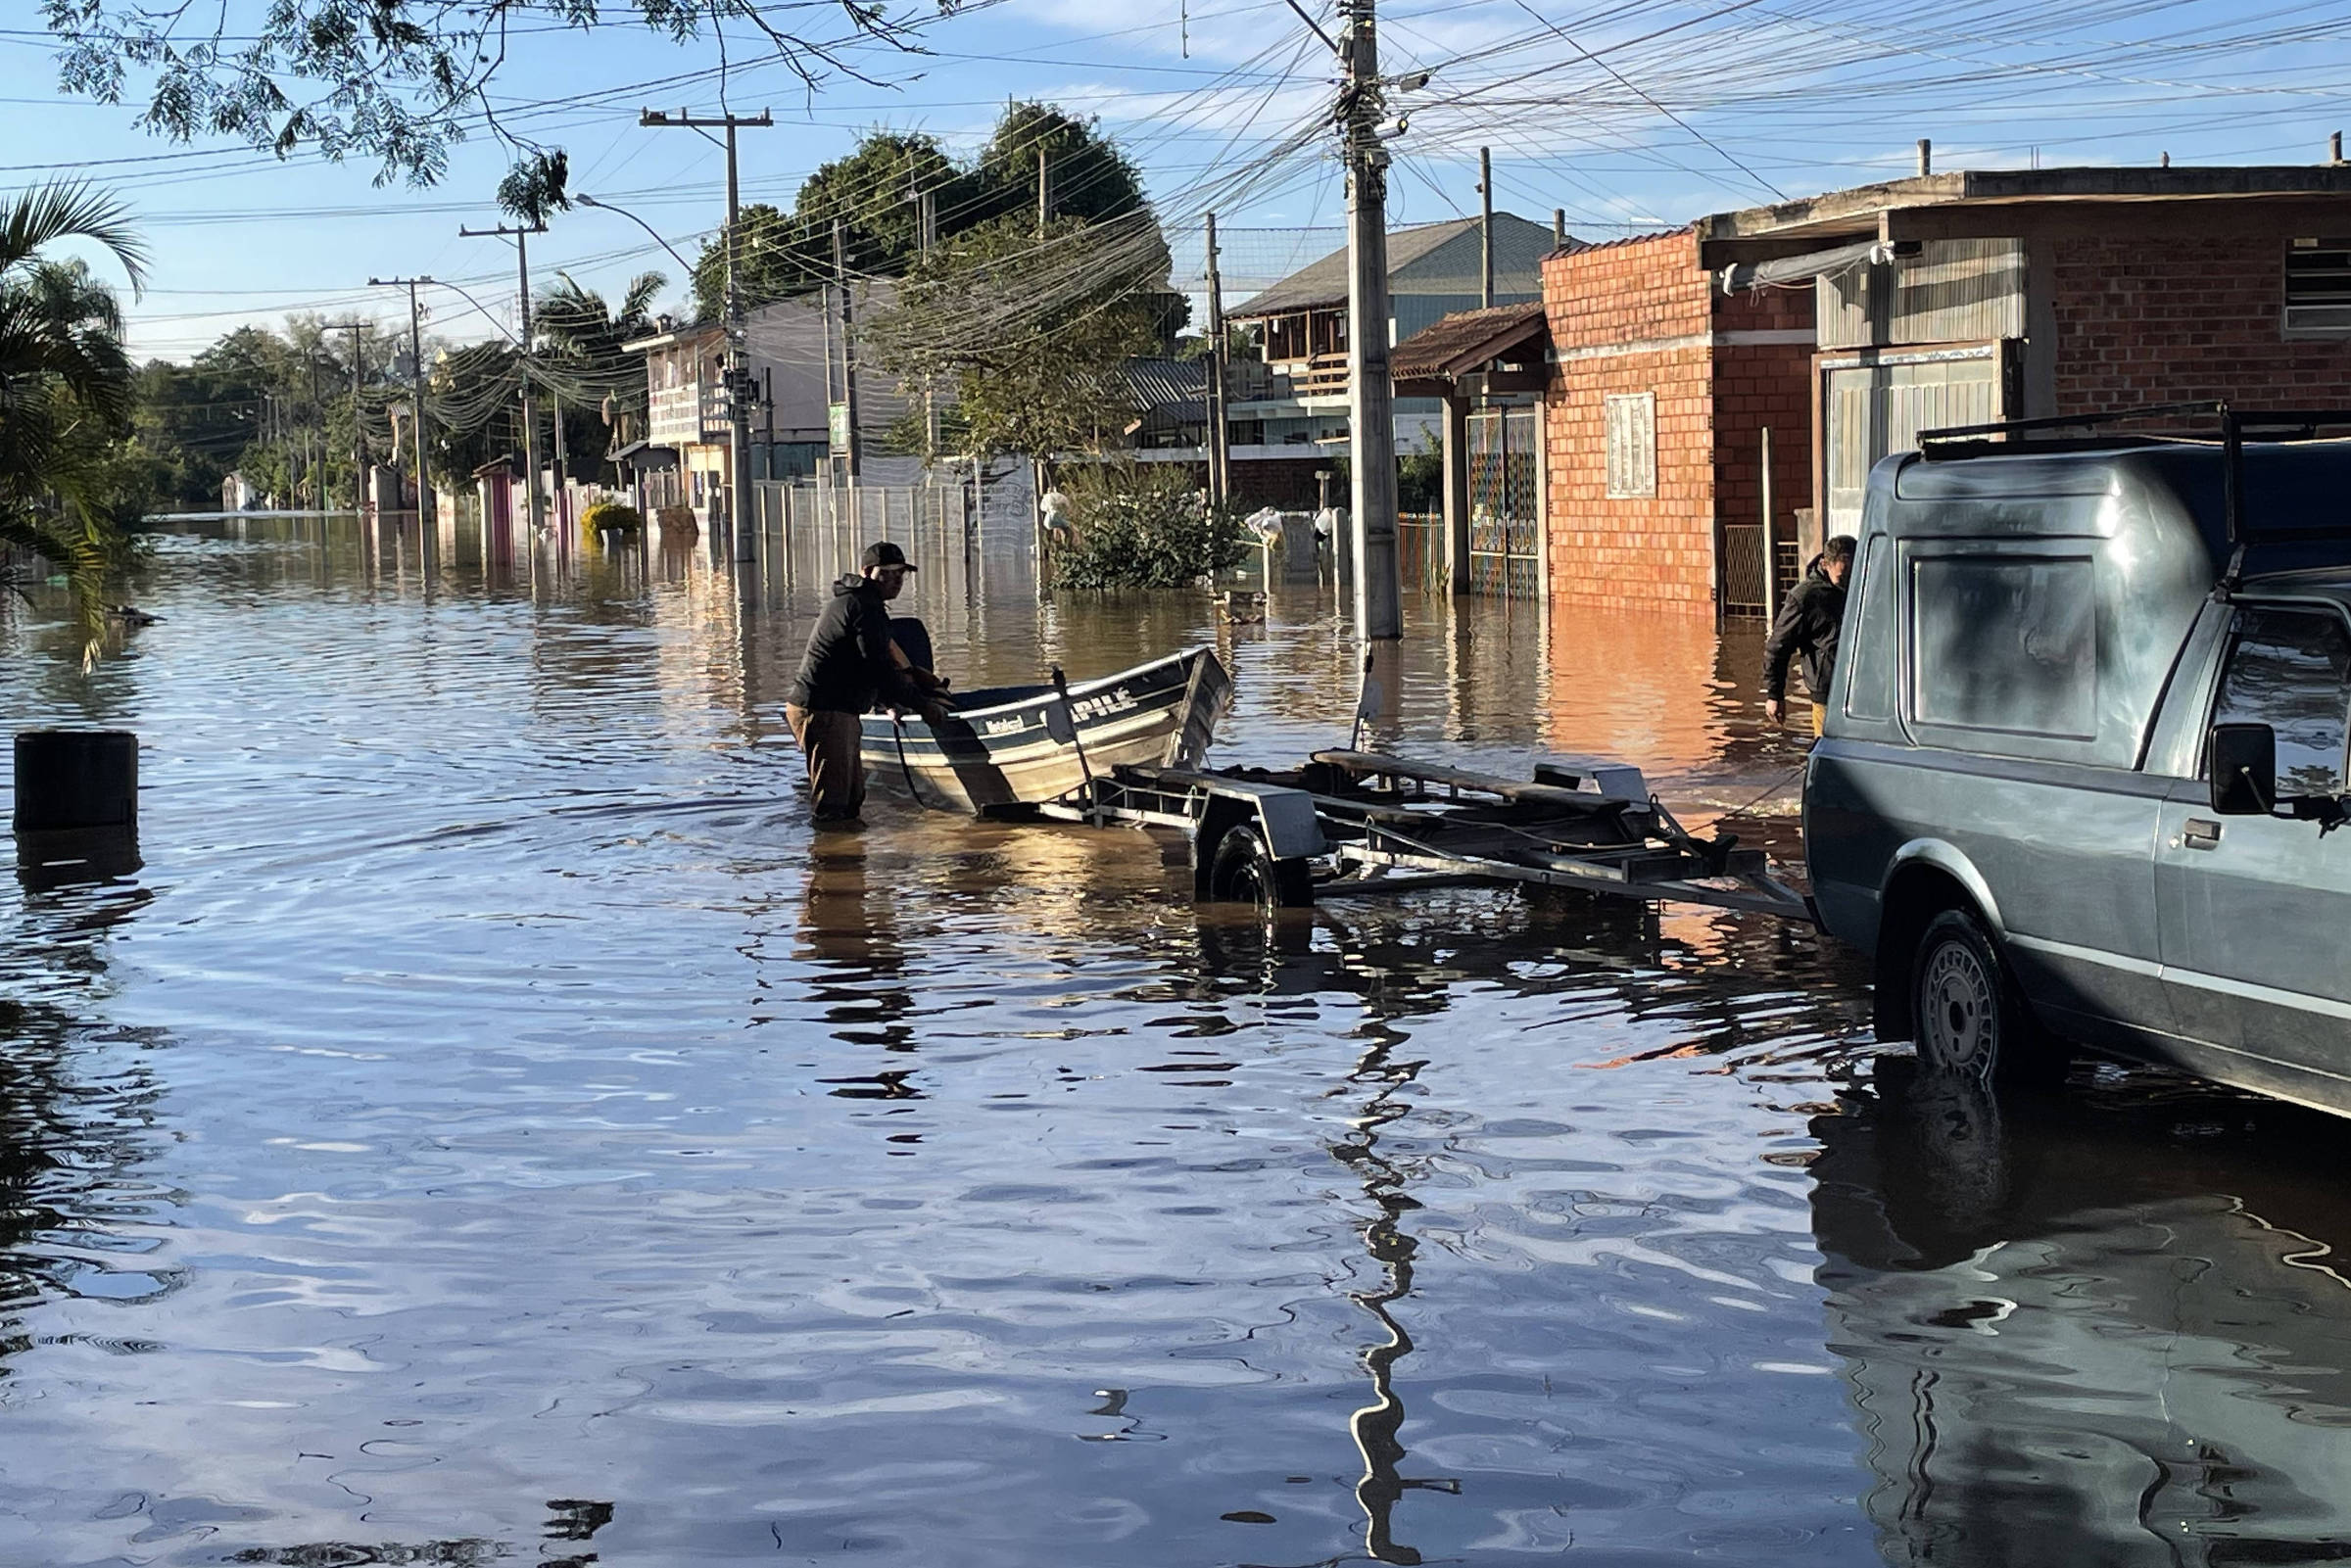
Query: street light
{"points": [[608, 206]]}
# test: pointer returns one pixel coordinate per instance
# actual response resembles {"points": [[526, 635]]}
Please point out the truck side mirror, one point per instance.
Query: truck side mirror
{"points": [[2242, 765]]}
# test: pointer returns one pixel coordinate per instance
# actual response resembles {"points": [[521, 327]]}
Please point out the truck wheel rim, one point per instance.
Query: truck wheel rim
{"points": [[1957, 1008]]}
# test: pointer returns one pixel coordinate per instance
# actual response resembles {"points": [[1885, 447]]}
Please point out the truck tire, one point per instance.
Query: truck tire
{"points": [[1966, 1015], [1243, 871]]}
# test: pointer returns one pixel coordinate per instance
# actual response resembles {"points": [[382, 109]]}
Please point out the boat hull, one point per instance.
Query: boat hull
{"points": [[1006, 749]]}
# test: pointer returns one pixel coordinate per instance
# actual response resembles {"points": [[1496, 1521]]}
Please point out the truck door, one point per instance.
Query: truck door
{"points": [[2253, 911]]}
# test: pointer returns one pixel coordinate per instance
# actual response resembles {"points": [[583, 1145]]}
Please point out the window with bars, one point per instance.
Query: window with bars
{"points": [[2317, 288], [1632, 438]]}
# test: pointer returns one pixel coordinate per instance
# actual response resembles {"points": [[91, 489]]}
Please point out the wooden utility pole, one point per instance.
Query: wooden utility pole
{"points": [[1485, 227], [1219, 451], [1371, 392], [425, 482], [358, 433], [523, 338], [741, 389]]}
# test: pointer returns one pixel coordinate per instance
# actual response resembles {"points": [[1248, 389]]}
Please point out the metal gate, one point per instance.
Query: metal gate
{"points": [[1504, 508]]}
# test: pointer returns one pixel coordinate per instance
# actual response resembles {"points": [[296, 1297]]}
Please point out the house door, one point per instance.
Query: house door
{"points": [[1874, 406]]}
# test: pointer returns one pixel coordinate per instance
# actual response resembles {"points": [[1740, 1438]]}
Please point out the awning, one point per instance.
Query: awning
{"points": [[645, 453], [1802, 268]]}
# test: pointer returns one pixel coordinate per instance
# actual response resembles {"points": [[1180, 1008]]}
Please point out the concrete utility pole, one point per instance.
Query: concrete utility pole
{"points": [[1485, 227], [848, 349], [926, 229], [1220, 452], [740, 391], [523, 338], [359, 434], [425, 482], [1371, 392], [1044, 191]]}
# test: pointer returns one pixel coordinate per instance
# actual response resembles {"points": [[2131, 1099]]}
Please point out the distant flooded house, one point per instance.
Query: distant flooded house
{"points": [[795, 351]]}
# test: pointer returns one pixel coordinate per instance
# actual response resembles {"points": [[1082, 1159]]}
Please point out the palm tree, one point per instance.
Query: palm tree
{"points": [[582, 358], [65, 383]]}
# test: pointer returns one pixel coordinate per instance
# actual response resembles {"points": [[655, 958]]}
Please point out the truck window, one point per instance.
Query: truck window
{"points": [[2005, 643], [1868, 640], [2291, 669]]}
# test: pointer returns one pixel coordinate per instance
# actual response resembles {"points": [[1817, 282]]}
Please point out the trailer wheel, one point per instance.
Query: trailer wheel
{"points": [[1965, 1012], [1242, 870]]}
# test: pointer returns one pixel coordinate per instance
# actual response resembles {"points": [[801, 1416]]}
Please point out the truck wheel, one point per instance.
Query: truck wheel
{"points": [[1244, 872], [1965, 1013]]}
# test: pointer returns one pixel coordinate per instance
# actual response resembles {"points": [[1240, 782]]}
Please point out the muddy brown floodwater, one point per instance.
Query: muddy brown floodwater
{"points": [[489, 1129]]}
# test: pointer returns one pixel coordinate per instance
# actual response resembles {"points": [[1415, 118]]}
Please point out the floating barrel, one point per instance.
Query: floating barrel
{"points": [[71, 781]]}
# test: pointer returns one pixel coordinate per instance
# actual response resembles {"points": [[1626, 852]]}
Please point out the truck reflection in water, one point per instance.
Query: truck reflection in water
{"points": [[2102, 1325]]}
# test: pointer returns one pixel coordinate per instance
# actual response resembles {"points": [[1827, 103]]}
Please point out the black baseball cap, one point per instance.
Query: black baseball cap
{"points": [[885, 553]]}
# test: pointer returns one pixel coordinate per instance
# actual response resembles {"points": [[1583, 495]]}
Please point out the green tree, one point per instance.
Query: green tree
{"points": [[580, 337], [394, 80], [65, 387], [1032, 334]]}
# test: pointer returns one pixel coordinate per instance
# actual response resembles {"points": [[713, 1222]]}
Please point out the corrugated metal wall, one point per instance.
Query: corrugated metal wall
{"points": [[1957, 290]]}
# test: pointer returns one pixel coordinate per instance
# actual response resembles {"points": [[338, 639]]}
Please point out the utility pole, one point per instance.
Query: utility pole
{"points": [[848, 349], [1044, 191], [425, 482], [358, 433], [522, 339], [926, 221], [1220, 453], [1485, 227], [739, 387], [1370, 393]]}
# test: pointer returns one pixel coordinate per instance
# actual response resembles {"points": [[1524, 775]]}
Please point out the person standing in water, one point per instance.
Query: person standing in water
{"points": [[849, 668]]}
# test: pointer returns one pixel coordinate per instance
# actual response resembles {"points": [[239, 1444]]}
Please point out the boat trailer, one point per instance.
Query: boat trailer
{"points": [[1352, 822]]}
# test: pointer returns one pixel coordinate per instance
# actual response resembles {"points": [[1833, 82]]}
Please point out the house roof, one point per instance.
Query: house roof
{"points": [[1176, 389], [1465, 340], [1997, 202], [680, 334], [1519, 249]]}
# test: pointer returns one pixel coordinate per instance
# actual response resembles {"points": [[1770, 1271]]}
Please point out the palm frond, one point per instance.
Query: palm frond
{"points": [[37, 217]]}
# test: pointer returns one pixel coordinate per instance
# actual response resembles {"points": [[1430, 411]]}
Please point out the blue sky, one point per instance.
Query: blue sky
{"points": [[1629, 114]]}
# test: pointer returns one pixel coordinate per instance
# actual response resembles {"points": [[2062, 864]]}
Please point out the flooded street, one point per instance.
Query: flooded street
{"points": [[492, 1127]]}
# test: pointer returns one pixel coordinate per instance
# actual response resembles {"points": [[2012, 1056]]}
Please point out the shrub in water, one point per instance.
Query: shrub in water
{"points": [[605, 515], [1136, 525]]}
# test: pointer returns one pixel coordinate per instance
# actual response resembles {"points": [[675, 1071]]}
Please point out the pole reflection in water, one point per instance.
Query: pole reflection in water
{"points": [[1391, 1247], [2108, 1324]]}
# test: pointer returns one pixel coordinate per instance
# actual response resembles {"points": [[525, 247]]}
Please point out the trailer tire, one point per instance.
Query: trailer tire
{"points": [[1242, 870], [1968, 1018]]}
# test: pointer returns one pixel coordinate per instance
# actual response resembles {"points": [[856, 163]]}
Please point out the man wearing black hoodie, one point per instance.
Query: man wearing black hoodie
{"points": [[1807, 628], [851, 666]]}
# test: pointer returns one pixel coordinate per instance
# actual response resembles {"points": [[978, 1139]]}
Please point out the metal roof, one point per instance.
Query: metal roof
{"points": [[1177, 389], [1519, 247]]}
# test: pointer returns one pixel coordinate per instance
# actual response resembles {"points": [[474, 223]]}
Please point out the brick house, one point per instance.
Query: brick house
{"points": [[1846, 323]]}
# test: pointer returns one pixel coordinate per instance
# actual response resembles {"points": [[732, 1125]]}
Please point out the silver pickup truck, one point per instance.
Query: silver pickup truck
{"points": [[2086, 750]]}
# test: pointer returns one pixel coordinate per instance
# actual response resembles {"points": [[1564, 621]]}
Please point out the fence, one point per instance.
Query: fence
{"points": [[1421, 551]]}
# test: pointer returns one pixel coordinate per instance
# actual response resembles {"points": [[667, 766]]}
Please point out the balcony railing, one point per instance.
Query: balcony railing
{"points": [[687, 415]]}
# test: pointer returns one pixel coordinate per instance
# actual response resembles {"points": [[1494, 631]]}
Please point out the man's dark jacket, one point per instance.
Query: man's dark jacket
{"points": [[848, 667], [1807, 628]]}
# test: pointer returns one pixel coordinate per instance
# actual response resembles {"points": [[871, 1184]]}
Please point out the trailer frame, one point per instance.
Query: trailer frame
{"points": [[1349, 823]]}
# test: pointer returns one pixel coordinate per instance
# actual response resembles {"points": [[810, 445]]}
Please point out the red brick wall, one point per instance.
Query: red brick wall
{"points": [[1650, 551], [1712, 404], [1758, 385], [2184, 320]]}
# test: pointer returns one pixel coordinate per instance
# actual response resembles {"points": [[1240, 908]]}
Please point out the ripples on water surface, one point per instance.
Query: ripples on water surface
{"points": [[490, 1129]]}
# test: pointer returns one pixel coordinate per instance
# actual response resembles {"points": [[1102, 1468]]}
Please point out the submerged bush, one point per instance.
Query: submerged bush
{"points": [[605, 515], [1136, 525]]}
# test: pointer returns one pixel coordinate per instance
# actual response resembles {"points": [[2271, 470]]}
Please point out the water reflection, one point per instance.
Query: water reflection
{"points": [[2109, 1325]]}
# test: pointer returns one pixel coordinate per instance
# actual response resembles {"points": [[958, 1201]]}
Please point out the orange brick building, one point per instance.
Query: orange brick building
{"points": [[1661, 389]]}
